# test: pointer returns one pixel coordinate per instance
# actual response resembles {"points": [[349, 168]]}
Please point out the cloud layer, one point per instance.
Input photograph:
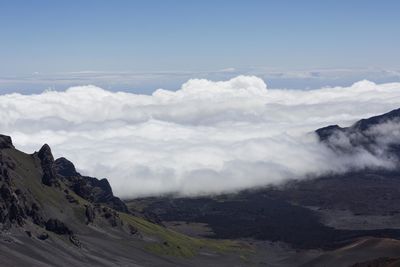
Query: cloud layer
{"points": [[206, 137]]}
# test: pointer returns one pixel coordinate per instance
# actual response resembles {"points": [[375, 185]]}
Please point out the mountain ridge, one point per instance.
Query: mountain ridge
{"points": [[378, 135], [49, 219]]}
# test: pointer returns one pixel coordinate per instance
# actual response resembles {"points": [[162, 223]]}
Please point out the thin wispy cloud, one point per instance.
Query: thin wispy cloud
{"points": [[146, 82]]}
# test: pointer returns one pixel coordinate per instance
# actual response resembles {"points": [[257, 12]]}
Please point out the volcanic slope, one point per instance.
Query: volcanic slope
{"points": [[50, 215]]}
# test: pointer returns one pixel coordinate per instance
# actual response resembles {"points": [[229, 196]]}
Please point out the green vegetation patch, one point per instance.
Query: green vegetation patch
{"points": [[171, 243]]}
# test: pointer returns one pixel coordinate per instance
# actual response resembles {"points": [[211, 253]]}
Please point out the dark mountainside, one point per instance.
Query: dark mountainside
{"points": [[329, 212], [374, 135], [50, 215]]}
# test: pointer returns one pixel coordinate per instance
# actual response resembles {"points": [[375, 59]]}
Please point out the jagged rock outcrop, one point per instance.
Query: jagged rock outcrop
{"points": [[65, 168], [89, 188], [43, 236], [5, 142], [47, 161], [58, 227], [19, 208]]}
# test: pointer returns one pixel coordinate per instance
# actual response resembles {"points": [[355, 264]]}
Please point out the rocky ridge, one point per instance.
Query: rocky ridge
{"points": [[19, 207]]}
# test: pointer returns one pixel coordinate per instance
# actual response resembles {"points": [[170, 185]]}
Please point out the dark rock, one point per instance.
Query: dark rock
{"points": [[5, 193], [326, 132], [43, 236], [106, 195], [12, 210], [47, 161], [74, 240], [5, 142], [3, 215], [16, 214], [35, 215], [58, 227], [9, 163], [45, 155], [71, 199], [90, 214], [65, 167], [134, 231], [89, 188], [4, 174], [82, 188], [111, 216]]}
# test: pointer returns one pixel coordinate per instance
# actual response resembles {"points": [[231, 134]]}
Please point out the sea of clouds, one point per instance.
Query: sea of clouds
{"points": [[207, 137]]}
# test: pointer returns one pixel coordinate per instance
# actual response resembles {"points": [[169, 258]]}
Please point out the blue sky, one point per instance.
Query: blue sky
{"points": [[43, 42]]}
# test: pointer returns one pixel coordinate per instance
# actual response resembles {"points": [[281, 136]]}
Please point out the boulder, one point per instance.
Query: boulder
{"points": [[58, 227]]}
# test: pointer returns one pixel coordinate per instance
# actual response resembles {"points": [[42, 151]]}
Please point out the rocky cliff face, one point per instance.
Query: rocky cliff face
{"points": [[16, 204], [47, 162], [92, 189], [97, 191], [21, 207]]}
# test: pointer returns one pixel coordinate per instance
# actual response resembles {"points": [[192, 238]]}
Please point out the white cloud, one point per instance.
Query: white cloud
{"points": [[206, 137]]}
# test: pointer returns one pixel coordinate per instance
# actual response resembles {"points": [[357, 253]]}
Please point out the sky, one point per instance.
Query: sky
{"points": [[139, 46]]}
